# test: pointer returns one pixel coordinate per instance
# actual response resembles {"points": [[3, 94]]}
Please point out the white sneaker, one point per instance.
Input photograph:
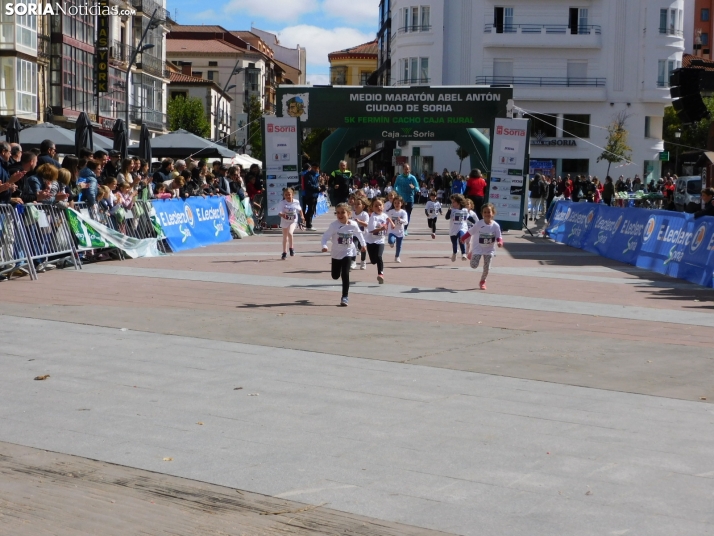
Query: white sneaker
{"points": [[353, 266], [464, 257], [391, 244], [433, 235], [453, 258], [363, 266], [397, 259]]}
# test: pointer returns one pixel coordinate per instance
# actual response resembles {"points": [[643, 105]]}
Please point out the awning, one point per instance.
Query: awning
{"points": [[370, 155]]}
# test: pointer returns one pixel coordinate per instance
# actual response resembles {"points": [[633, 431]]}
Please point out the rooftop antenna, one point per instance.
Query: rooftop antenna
{"points": [[176, 14]]}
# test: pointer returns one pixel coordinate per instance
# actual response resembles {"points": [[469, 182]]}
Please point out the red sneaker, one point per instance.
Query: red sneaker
{"points": [[482, 286]]}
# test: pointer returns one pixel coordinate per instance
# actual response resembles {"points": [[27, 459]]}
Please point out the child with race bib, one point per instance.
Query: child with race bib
{"points": [[399, 218], [342, 232], [361, 216], [288, 210], [432, 210], [458, 214], [485, 236], [377, 228]]}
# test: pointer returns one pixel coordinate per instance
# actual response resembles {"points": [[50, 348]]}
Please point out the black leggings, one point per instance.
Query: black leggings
{"points": [[432, 224], [358, 246], [341, 268], [375, 252]]}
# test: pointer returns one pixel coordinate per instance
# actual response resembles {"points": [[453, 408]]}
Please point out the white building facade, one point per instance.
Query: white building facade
{"points": [[574, 67]]}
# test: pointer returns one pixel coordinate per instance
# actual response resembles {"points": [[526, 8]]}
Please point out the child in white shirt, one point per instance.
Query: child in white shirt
{"points": [[458, 214], [288, 210], [432, 210], [377, 228], [399, 218], [361, 216], [342, 232], [485, 237]]}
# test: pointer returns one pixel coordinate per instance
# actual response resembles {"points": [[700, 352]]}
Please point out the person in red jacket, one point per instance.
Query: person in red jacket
{"points": [[476, 189]]}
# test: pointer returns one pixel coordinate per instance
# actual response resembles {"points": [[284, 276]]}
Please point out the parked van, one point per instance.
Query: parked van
{"points": [[687, 190]]}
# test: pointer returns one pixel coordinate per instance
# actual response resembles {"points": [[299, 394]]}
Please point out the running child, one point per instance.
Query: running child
{"points": [[399, 218], [470, 222], [390, 199], [458, 214], [485, 236], [361, 216], [342, 233], [432, 210], [288, 210], [377, 228]]}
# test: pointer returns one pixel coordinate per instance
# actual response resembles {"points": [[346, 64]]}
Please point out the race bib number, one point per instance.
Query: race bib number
{"points": [[486, 239], [290, 215], [432, 211], [345, 239], [458, 216]]}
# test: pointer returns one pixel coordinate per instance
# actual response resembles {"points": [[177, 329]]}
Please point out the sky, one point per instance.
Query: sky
{"points": [[321, 26]]}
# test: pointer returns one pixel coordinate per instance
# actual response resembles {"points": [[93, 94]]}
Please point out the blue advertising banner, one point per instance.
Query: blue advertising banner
{"points": [[669, 243], [193, 223]]}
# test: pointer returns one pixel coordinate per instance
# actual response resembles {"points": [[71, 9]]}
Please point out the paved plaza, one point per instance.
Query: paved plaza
{"points": [[574, 396]]}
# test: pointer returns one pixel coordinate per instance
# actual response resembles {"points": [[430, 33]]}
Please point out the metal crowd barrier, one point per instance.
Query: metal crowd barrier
{"points": [[14, 250], [47, 233]]}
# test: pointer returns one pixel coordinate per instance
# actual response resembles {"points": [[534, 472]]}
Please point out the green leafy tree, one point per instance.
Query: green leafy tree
{"points": [[462, 154], [694, 136], [189, 115], [255, 137], [312, 146], [616, 149]]}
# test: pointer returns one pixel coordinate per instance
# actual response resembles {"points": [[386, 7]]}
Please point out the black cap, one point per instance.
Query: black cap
{"points": [[113, 153]]}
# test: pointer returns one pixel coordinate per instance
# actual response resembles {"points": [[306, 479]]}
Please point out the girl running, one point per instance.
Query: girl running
{"points": [[458, 214], [288, 211], [432, 210], [342, 232], [361, 216], [399, 218], [390, 199], [377, 227], [485, 236]]}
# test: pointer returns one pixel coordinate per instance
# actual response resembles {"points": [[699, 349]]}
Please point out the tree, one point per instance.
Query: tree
{"points": [[462, 154], [189, 115], [616, 148], [254, 109], [694, 136], [312, 146]]}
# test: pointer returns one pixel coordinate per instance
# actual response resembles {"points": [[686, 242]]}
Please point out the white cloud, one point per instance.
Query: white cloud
{"points": [[319, 42], [357, 12], [282, 10], [209, 14]]}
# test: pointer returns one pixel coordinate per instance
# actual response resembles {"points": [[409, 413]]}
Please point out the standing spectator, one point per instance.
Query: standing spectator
{"points": [[89, 183], [47, 154], [536, 188], [406, 186], [551, 189], [458, 185], [15, 153], [71, 164], [608, 191], [339, 184], [222, 181], [476, 190], [113, 166], [312, 191], [124, 174], [707, 203], [163, 174]]}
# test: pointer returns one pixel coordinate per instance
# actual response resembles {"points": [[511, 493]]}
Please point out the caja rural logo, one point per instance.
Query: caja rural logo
{"points": [[189, 215], [649, 229], [699, 235]]}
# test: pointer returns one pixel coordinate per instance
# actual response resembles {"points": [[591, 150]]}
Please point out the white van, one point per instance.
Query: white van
{"points": [[687, 190]]}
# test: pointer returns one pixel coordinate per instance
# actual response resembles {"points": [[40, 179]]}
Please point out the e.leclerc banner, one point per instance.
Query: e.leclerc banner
{"points": [[669, 243], [193, 223]]}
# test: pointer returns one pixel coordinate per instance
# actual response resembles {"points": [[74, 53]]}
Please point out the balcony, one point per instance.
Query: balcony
{"points": [[120, 52], [541, 81], [147, 7], [542, 36], [412, 81], [671, 31], [153, 66], [153, 119], [544, 88]]}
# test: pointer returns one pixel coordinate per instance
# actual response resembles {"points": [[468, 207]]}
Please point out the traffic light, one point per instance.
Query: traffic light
{"points": [[685, 89]]}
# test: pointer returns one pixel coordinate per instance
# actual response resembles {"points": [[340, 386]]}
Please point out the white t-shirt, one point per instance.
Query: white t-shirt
{"points": [[291, 212], [376, 221], [387, 206], [400, 219], [472, 215], [432, 209], [459, 221], [484, 237], [362, 216], [342, 237]]}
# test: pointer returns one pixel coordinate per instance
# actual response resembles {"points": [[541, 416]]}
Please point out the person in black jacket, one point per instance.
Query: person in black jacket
{"points": [[608, 191], [47, 154], [707, 203], [163, 174], [312, 191]]}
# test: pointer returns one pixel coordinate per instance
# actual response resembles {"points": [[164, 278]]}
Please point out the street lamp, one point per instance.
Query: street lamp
{"points": [[226, 88], [677, 135], [141, 47]]}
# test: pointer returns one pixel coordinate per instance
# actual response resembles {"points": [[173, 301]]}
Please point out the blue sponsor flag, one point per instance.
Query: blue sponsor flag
{"points": [[212, 225], [193, 223]]}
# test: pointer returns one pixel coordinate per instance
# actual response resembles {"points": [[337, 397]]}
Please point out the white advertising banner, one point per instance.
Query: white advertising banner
{"points": [[508, 188], [281, 158]]}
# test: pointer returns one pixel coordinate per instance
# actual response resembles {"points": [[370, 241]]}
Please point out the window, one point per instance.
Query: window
{"points": [[502, 71], [662, 21], [213, 64], [661, 73], [26, 30], [576, 166], [425, 18], [704, 16], [503, 20], [705, 39], [576, 125], [213, 76], [543, 125], [416, 19], [414, 71], [577, 71], [199, 74], [671, 66], [578, 20], [338, 76], [364, 78]]}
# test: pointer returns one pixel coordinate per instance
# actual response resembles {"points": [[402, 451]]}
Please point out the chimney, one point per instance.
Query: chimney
{"points": [[186, 68]]}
